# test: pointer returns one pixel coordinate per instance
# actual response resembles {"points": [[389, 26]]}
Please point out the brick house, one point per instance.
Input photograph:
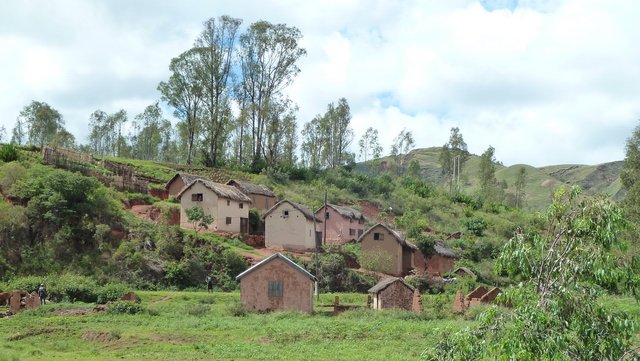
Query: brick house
{"points": [[179, 181], [442, 261], [290, 225], [343, 224], [277, 284], [381, 240], [262, 198], [228, 206], [392, 293]]}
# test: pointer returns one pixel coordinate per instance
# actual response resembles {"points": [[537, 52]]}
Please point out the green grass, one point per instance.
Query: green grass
{"points": [[199, 326]]}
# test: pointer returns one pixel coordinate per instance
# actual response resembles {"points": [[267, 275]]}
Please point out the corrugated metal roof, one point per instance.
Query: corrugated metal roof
{"points": [[222, 190], [271, 258]]}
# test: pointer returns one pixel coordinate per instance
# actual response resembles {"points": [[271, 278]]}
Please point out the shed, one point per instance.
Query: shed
{"points": [[464, 272], [392, 293], [277, 284]]}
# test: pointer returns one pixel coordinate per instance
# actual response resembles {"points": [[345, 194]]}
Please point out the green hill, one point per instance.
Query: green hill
{"points": [[594, 179]]}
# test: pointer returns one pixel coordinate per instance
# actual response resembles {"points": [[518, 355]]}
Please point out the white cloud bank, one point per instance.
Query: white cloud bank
{"points": [[544, 82]]}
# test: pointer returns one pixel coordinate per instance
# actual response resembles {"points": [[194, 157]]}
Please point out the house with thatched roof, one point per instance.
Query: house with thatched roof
{"points": [[228, 206], [387, 249], [277, 284], [179, 181], [342, 224], [392, 293], [262, 198], [292, 226], [441, 261]]}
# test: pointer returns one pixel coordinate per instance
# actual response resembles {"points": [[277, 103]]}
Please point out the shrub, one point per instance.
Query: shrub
{"points": [[476, 225], [197, 309], [378, 261], [110, 292], [125, 308], [8, 153], [236, 309]]}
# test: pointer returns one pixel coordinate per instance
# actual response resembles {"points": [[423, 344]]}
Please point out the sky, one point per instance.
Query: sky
{"points": [[542, 81]]}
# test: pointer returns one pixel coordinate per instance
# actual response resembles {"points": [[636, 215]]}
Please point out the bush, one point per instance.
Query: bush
{"points": [[66, 287], [110, 292], [8, 153], [197, 309], [236, 309], [378, 261], [125, 308], [476, 225]]}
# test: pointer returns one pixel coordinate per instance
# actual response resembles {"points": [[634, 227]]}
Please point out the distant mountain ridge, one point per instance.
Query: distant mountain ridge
{"points": [[540, 181]]}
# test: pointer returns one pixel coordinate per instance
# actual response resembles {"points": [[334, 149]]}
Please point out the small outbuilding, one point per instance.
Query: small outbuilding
{"points": [[392, 293], [277, 284], [464, 272]]}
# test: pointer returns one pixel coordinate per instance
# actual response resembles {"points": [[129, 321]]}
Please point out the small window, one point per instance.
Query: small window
{"points": [[361, 221], [196, 197], [276, 288], [360, 231], [326, 215], [285, 214], [228, 220], [378, 236], [228, 202], [241, 205], [352, 232]]}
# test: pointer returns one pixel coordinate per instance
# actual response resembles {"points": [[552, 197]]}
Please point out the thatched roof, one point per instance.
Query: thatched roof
{"points": [[397, 235], [344, 211], [271, 258], [386, 283], [307, 213], [443, 250], [186, 178], [250, 188], [222, 190], [464, 270]]}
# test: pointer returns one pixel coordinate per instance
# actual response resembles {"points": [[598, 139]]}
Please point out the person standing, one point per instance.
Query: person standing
{"points": [[42, 293], [209, 284]]}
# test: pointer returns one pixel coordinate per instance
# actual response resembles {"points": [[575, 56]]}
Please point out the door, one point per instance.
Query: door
{"points": [[244, 225]]}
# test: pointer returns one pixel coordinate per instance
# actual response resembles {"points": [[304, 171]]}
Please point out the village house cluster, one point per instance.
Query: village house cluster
{"points": [[277, 283]]}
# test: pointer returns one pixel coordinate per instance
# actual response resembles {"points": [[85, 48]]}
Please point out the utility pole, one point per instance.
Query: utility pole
{"points": [[324, 234]]}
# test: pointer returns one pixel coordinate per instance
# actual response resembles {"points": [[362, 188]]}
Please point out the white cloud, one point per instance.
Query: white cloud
{"points": [[548, 81]]}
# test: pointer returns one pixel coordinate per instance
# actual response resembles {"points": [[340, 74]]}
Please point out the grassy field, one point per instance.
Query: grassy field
{"points": [[197, 325]]}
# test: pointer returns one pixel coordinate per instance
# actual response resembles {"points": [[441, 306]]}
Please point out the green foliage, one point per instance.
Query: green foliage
{"points": [[8, 153], [334, 276], [476, 225], [376, 260], [556, 312], [426, 244], [111, 292], [199, 219], [125, 308]]}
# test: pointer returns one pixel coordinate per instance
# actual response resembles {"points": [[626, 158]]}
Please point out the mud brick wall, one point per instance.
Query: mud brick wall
{"points": [[396, 295]]}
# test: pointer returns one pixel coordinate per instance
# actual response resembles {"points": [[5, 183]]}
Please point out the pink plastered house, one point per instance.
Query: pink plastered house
{"points": [[343, 224]]}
